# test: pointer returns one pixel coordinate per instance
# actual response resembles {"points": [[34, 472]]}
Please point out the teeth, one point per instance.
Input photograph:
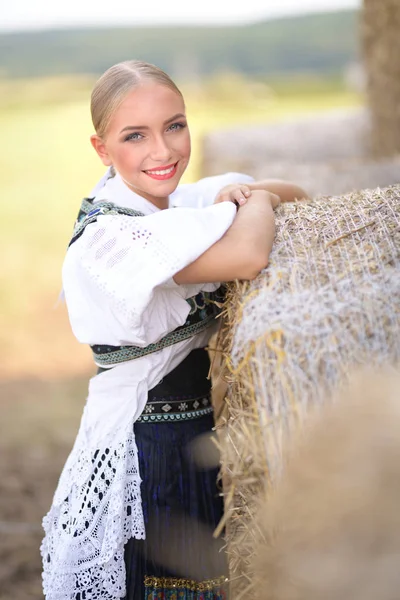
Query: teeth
{"points": [[164, 172]]}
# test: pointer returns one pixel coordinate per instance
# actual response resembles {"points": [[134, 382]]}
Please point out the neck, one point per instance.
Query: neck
{"points": [[161, 203]]}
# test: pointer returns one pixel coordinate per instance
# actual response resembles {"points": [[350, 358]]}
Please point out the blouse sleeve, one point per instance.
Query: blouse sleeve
{"points": [[118, 276], [203, 192]]}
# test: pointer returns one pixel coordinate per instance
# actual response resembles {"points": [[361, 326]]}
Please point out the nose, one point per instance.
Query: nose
{"points": [[160, 150]]}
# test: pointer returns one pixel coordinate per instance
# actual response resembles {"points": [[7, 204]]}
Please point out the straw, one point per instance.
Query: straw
{"points": [[328, 302]]}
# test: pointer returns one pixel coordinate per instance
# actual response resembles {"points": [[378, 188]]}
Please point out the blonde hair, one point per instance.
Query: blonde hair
{"points": [[116, 83]]}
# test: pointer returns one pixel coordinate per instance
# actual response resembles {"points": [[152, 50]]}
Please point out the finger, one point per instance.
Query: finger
{"points": [[246, 191], [239, 197], [276, 200]]}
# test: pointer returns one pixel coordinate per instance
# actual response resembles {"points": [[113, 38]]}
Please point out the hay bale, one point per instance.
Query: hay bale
{"points": [[332, 136], [332, 528], [381, 49], [328, 302], [335, 178], [326, 154]]}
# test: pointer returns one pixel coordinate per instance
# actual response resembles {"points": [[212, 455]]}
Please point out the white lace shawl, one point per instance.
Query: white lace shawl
{"points": [[118, 286]]}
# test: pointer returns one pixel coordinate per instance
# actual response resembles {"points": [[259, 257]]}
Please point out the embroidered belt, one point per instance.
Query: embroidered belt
{"points": [[113, 355], [172, 587], [173, 409]]}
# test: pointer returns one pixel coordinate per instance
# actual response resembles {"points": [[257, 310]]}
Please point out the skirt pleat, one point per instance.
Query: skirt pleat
{"points": [[182, 506]]}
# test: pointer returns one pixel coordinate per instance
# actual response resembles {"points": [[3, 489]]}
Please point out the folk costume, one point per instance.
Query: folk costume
{"points": [[133, 516]]}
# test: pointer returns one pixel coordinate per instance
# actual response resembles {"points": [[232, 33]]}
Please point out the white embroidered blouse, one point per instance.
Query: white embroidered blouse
{"points": [[119, 289]]}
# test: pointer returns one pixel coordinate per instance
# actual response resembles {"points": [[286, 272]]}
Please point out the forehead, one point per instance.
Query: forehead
{"points": [[147, 104]]}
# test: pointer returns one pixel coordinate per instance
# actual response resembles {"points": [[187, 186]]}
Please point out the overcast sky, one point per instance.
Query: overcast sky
{"points": [[41, 14]]}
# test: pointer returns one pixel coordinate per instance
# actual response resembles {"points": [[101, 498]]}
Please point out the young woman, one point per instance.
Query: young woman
{"points": [[132, 516]]}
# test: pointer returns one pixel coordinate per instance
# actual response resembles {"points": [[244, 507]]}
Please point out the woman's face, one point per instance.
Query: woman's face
{"points": [[148, 142]]}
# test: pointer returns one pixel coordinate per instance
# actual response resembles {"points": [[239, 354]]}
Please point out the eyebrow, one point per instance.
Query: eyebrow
{"points": [[177, 116]]}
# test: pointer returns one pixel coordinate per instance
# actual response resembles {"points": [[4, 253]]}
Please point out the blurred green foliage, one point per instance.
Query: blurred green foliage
{"points": [[322, 43]]}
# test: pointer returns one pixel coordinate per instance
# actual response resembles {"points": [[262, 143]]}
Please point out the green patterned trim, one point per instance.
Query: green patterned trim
{"points": [[125, 353], [89, 213], [185, 416], [86, 207]]}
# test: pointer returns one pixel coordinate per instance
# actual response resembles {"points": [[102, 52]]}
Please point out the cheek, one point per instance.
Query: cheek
{"points": [[186, 146], [128, 156]]}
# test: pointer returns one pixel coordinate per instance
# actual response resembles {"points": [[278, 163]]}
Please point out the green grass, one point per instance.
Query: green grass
{"points": [[48, 165]]}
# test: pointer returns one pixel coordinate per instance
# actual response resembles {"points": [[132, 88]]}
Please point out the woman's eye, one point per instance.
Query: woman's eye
{"points": [[135, 136], [176, 126]]}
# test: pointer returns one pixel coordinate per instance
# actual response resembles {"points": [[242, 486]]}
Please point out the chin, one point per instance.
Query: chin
{"points": [[164, 188]]}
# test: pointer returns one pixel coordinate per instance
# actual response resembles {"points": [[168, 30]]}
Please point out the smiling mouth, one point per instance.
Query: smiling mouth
{"points": [[163, 172]]}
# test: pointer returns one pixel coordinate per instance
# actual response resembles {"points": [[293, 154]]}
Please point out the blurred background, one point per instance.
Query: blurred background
{"points": [[270, 90]]}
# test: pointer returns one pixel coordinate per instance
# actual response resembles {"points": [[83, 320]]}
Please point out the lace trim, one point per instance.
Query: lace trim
{"points": [[96, 509]]}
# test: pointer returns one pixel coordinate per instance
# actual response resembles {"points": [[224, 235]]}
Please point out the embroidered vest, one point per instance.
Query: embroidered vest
{"points": [[204, 307]]}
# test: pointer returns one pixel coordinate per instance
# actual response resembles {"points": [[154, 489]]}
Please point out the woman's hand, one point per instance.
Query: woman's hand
{"points": [[243, 251], [274, 199], [234, 192]]}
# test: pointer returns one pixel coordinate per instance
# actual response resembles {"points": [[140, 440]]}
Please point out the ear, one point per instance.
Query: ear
{"points": [[101, 149]]}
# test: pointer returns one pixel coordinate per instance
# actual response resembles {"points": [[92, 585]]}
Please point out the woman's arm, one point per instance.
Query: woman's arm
{"points": [[240, 192], [286, 190], [243, 251]]}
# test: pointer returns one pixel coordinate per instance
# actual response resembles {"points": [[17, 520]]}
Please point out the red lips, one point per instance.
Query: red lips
{"points": [[162, 173]]}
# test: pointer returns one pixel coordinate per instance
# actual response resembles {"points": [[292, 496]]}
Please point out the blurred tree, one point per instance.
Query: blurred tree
{"points": [[381, 48]]}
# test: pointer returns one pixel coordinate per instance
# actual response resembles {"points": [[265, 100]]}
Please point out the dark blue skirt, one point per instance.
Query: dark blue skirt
{"points": [[182, 503]]}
